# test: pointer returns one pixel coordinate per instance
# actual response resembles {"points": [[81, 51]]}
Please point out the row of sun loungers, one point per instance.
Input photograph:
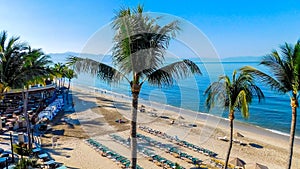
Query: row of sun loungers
{"points": [[220, 164], [170, 149], [51, 110], [39, 153], [147, 153], [106, 152], [233, 140], [178, 141]]}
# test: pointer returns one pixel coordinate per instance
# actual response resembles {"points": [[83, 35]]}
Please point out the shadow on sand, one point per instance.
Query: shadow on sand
{"points": [[255, 145]]}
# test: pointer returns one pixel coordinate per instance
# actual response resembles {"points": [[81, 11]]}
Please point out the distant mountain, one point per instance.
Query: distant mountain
{"points": [[243, 59], [61, 57]]}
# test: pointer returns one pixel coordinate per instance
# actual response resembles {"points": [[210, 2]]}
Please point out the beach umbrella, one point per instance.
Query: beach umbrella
{"points": [[239, 134], [237, 162], [256, 166]]}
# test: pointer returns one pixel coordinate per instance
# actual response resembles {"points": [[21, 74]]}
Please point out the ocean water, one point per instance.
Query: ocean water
{"points": [[273, 113]]}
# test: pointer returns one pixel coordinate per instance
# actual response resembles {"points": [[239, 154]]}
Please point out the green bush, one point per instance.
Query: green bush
{"points": [[26, 163], [21, 149]]}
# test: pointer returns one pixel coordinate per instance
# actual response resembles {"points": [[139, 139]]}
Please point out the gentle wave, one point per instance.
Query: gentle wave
{"points": [[281, 133]]}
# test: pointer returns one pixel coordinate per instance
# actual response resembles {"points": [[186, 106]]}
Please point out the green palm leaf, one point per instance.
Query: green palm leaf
{"points": [[242, 103], [101, 70], [284, 77], [177, 70], [139, 53]]}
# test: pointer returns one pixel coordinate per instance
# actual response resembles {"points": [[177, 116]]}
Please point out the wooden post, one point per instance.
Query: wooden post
{"points": [[12, 148]]}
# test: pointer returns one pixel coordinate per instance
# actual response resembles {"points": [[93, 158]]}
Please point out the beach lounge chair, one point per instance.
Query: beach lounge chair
{"points": [[223, 138], [62, 167], [125, 165]]}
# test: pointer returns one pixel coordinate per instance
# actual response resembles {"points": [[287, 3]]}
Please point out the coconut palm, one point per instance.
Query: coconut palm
{"points": [[234, 94], [138, 56], [59, 72], [34, 71], [284, 78], [70, 74], [20, 65], [11, 60]]}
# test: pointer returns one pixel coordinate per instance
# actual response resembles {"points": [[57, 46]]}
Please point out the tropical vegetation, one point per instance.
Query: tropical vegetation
{"points": [[284, 77], [138, 56], [236, 95], [21, 66]]}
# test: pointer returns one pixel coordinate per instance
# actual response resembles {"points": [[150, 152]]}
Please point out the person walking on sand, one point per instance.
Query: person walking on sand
{"points": [[172, 122], [129, 140]]}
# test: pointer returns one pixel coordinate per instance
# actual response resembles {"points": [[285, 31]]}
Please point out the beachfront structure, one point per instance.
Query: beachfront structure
{"points": [[284, 78], [138, 56], [12, 105]]}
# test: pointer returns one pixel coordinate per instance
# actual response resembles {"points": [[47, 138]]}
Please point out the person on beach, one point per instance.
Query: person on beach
{"points": [[172, 122], [129, 140]]}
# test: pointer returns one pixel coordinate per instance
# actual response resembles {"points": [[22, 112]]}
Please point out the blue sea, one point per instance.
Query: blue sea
{"points": [[273, 113]]}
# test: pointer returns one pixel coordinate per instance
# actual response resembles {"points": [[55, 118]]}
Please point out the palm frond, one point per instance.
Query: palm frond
{"points": [[178, 70], [236, 93], [3, 37], [242, 104], [101, 70], [215, 91], [265, 78], [140, 43]]}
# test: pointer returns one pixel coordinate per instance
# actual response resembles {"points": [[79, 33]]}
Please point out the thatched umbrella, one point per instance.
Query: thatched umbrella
{"points": [[237, 162], [256, 166], [237, 134]]}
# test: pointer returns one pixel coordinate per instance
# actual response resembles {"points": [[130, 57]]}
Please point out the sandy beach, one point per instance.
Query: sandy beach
{"points": [[96, 112]]}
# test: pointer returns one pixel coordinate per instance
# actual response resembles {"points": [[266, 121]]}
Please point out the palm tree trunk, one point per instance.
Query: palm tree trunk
{"points": [[231, 118], [135, 89], [25, 100], [294, 105], [68, 91], [63, 85], [69, 84]]}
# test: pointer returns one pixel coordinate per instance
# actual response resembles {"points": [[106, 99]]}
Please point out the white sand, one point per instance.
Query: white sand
{"points": [[77, 154]]}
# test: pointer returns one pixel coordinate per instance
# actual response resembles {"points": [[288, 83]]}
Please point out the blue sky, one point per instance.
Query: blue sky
{"points": [[235, 28]]}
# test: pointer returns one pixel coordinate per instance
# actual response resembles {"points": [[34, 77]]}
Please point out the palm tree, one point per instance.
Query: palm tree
{"points": [[34, 71], [20, 66], [234, 95], [284, 78], [138, 56], [11, 60], [59, 72], [70, 74]]}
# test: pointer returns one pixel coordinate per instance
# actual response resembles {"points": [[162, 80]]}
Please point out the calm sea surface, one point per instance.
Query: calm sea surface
{"points": [[273, 113]]}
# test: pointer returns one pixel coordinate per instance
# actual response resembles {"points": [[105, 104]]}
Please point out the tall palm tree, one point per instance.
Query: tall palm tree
{"points": [[11, 60], [34, 70], [284, 77], [19, 66], [70, 74], [138, 56], [59, 72], [235, 94]]}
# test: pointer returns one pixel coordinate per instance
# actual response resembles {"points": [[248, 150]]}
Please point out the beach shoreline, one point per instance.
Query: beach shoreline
{"points": [[199, 115], [97, 114]]}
